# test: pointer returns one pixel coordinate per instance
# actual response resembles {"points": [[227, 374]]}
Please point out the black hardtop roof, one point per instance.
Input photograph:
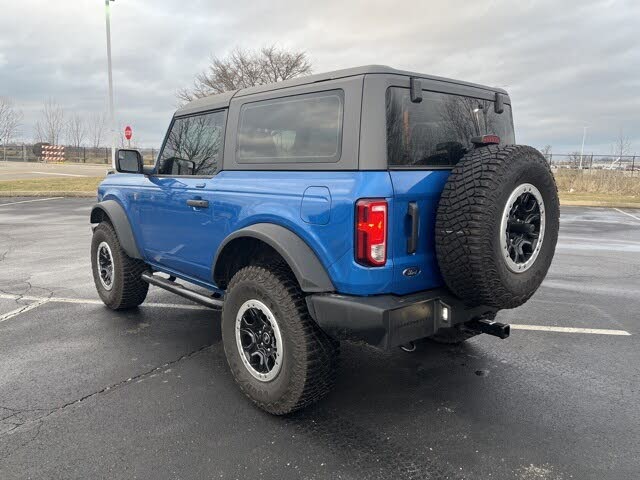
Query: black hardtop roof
{"points": [[222, 100]]}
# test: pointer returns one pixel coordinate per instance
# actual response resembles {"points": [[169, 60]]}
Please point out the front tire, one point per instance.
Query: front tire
{"points": [[278, 356], [116, 275]]}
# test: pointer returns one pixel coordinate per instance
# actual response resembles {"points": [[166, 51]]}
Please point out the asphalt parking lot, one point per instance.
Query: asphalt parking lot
{"points": [[90, 393]]}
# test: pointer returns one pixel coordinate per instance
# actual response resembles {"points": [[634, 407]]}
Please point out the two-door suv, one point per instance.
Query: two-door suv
{"points": [[368, 204]]}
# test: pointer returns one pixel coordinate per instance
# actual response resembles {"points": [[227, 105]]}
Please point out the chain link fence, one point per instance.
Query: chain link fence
{"points": [[96, 155], [628, 164]]}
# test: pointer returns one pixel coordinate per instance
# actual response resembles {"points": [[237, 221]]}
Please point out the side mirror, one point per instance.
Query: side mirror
{"points": [[128, 161]]}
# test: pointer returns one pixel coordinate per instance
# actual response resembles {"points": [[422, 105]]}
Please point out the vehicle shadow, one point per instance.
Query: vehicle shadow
{"points": [[391, 412]]}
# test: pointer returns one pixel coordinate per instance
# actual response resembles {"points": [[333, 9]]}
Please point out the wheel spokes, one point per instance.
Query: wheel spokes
{"points": [[258, 340]]}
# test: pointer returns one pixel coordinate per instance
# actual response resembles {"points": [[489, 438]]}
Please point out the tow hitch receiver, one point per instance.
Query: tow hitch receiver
{"points": [[483, 325]]}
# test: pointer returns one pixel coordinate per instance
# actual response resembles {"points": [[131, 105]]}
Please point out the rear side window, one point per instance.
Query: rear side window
{"points": [[437, 131], [301, 128], [193, 145]]}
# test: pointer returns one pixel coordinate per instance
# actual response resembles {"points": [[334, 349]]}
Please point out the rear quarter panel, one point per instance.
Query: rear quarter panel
{"points": [[243, 198]]}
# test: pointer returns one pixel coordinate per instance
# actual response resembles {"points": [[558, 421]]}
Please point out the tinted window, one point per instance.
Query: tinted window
{"points": [[193, 146], [437, 131], [302, 128]]}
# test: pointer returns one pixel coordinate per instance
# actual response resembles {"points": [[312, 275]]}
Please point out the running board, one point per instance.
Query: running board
{"points": [[179, 289]]}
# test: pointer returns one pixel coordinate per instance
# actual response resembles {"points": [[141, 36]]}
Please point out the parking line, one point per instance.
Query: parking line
{"points": [[594, 331], [26, 308], [627, 213], [28, 201], [91, 301]]}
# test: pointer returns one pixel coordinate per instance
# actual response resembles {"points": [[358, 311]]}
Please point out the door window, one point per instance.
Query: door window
{"points": [[194, 145]]}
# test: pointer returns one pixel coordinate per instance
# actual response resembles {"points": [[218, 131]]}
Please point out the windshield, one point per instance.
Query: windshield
{"points": [[437, 132]]}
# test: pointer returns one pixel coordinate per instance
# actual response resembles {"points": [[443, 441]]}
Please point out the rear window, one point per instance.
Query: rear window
{"points": [[301, 128], [437, 131]]}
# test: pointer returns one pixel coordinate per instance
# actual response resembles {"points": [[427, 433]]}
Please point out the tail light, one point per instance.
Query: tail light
{"points": [[485, 140], [371, 232]]}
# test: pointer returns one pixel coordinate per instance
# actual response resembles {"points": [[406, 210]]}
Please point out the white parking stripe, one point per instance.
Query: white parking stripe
{"points": [[594, 331], [627, 213], [61, 174], [26, 308], [91, 301], [29, 201]]}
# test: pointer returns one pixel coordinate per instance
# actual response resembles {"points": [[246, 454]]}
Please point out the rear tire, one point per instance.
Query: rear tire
{"points": [[123, 287], [301, 367]]}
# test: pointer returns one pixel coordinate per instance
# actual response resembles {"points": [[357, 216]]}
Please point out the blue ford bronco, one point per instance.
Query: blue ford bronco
{"points": [[368, 204]]}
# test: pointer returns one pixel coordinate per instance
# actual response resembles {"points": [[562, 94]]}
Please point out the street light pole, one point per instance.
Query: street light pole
{"points": [[584, 135], [112, 120]]}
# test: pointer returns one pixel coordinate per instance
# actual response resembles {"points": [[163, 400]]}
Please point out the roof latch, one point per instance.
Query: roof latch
{"points": [[498, 106], [416, 90]]}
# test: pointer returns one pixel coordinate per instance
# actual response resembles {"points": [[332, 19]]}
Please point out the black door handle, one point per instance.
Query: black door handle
{"points": [[198, 203], [413, 213]]}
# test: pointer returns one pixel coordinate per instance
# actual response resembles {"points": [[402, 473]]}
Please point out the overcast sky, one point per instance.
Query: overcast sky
{"points": [[565, 63]]}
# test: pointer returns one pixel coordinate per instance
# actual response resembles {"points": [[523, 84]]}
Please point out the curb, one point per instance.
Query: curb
{"points": [[27, 193], [597, 203]]}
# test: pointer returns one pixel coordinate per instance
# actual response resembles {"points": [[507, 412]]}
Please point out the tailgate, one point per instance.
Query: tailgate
{"points": [[415, 192]]}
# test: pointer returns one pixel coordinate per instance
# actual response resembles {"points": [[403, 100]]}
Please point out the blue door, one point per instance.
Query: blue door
{"points": [[177, 204]]}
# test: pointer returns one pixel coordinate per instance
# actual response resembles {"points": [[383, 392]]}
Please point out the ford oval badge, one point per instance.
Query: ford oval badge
{"points": [[411, 271]]}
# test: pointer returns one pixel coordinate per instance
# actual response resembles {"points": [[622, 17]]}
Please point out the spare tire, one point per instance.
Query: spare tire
{"points": [[497, 225]]}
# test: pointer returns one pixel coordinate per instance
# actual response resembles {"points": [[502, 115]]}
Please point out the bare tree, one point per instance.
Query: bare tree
{"points": [[10, 119], [546, 152], [96, 128], [76, 132], [247, 68], [574, 159], [622, 145], [50, 127]]}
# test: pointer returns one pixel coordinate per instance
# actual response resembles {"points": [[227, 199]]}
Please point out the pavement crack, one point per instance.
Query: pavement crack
{"points": [[17, 412], [17, 447], [130, 379]]}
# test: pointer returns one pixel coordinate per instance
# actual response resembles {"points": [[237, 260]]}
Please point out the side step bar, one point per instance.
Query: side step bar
{"points": [[179, 289]]}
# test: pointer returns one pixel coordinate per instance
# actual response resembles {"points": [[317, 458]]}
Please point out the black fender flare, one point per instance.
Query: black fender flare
{"points": [[118, 218], [304, 263]]}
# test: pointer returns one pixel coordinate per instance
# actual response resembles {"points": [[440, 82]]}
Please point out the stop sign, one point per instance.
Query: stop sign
{"points": [[128, 133]]}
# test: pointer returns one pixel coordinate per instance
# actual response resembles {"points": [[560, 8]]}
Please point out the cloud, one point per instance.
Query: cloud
{"points": [[566, 64]]}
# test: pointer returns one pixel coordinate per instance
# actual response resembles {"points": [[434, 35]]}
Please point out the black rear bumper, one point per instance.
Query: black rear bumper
{"points": [[386, 321]]}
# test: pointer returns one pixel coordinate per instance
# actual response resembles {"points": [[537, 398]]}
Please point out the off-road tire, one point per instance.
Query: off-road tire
{"points": [[129, 290], [310, 357], [468, 225]]}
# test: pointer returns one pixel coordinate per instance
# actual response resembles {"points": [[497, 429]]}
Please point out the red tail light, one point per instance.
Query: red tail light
{"points": [[371, 232], [485, 140]]}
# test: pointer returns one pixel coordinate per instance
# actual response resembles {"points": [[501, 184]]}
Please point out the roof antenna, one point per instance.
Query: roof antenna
{"points": [[416, 90]]}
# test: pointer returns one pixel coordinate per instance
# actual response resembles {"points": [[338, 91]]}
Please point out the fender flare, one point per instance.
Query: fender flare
{"points": [[304, 263], [118, 218]]}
